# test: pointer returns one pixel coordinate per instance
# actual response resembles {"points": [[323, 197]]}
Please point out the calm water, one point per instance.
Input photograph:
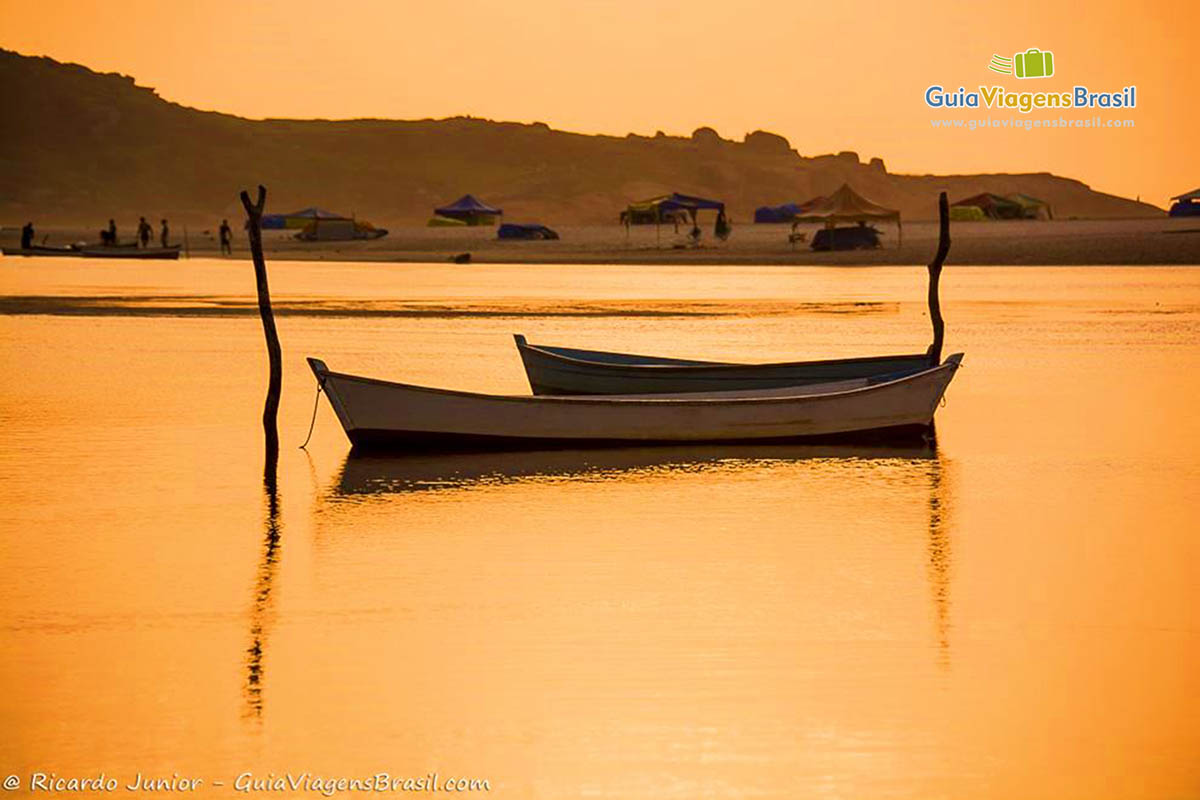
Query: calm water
{"points": [[1013, 614]]}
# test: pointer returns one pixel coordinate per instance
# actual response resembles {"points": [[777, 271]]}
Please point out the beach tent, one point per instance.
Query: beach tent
{"points": [[649, 212], [660, 207], [664, 207], [438, 221], [339, 230], [994, 206], [847, 205], [966, 214], [1186, 205], [330, 230], [297, 219], [784, 213], [1031, 207], [470, 210], [689, 203], [774, 214]]}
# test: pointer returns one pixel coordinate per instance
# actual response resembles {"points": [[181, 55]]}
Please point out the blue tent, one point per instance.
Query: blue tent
{"points": [[783, 213], [297, 219], [688, 202], [786, 212], [1186, 205], [468, 208], [658, 209]]}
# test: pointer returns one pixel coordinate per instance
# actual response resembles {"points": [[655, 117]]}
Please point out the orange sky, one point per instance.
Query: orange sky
{"points": [[829, 77]]}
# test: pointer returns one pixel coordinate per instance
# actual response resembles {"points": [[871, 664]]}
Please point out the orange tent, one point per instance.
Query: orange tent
{"points": [[847, 205]]}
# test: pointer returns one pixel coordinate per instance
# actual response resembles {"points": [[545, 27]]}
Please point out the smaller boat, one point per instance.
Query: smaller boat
{"points": [[40, 250], [382, 415], [122, 251], [572, 371]]}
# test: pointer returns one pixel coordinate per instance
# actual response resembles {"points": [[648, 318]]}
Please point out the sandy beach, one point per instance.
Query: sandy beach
{"points": [[1009, 243]]}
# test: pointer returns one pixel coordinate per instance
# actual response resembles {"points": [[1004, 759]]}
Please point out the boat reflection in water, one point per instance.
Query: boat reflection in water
{"points": [[368, 474], [820, 490]]}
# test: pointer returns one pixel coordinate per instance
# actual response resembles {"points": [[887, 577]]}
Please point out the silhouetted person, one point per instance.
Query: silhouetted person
{"points": [[144, 232], [722, 228], [27, 236], [165, 234], [226, 238], [112, 233]]}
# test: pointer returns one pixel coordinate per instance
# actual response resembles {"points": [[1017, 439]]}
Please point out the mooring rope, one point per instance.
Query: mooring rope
{"points": [[312, 423]]}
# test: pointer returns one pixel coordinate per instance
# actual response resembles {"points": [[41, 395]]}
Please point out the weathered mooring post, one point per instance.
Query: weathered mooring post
{"points": [[254, 213], [935, 273], [261, 614]]}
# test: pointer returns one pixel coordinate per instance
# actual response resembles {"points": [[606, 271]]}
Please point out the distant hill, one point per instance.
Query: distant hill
{"points": [[78, 146]]}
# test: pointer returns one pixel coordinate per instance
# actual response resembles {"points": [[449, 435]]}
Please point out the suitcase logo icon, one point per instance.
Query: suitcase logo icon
{"points": [[1033, 63]]}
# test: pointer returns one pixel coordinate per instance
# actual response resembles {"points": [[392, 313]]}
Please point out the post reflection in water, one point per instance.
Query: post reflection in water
{"points": [[940, 554], [262, 609]]}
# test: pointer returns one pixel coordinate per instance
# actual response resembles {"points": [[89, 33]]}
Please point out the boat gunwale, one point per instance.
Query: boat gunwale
{"points": [[706, 365]]}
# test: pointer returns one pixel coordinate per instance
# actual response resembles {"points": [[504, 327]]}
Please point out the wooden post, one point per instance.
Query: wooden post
{"points": [[935, 273], [260, 616], [274, 353]]}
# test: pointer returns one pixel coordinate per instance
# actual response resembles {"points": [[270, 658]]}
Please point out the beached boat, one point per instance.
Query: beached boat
{"points": [[572, 371], [125, 251], [379, 414], [40, 250]]}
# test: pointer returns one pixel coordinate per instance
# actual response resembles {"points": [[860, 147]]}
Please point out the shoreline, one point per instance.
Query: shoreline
{"points": [[1166, 242]]}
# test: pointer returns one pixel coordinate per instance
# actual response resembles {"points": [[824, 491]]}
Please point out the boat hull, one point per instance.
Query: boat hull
{"points": [[569, 371], [380, 415], [41, 250], [152, 253], [386, 440]]}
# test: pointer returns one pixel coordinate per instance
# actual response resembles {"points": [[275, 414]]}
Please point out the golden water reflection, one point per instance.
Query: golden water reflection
{"points": [[1013, 614], [912, 474]]}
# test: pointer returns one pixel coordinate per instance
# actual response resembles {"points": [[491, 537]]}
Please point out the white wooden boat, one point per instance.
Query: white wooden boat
{"points": [[380, 414], [572, 371]]}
